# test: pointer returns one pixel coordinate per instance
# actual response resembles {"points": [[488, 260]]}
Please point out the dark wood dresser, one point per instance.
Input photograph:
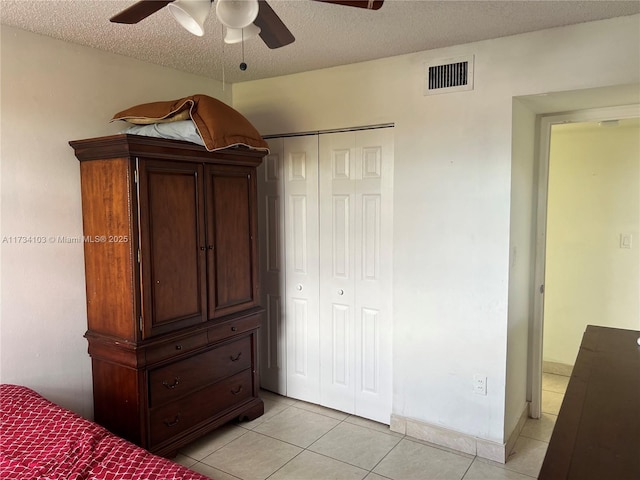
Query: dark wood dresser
{"points": [[172, 286], [597, 433]]}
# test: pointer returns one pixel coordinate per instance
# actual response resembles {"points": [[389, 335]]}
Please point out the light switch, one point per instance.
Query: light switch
{"points": [[625, 240]]}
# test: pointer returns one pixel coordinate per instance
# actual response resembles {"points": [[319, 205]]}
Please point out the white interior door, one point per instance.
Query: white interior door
{"points": [[288, 228], [302, 267], [337, 270], [271, 233], [356, 185]]}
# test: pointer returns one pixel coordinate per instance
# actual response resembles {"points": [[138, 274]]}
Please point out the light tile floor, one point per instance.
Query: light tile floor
{"points": [[295, 440]]}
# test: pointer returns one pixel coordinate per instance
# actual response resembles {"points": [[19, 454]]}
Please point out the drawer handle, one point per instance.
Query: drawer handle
{"points": [[173, 385], [172, 423], [237, 391], [234, 329], [178, 347], [236, 358]]}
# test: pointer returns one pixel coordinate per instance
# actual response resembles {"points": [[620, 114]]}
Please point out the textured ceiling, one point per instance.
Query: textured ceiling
{"points": [[326, 35]]}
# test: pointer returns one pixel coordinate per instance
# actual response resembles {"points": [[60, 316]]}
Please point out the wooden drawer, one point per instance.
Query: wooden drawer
{"points": [[193, 373], [176, 347], [178, 417], [234, 327]]}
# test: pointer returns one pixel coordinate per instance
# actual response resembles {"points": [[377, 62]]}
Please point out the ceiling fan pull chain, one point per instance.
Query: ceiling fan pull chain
{"points": [[222, 38], [243, 66]]}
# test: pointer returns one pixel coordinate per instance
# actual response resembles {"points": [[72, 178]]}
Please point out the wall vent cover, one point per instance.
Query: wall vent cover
{"points": [[450, 75]]}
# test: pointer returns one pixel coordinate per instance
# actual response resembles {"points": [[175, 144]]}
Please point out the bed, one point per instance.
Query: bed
{"points": [[41, 440]]}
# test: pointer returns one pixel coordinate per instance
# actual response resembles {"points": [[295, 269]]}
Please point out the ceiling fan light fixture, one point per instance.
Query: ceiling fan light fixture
{"points": [[191, 14], [237, 13], [237, 35]]}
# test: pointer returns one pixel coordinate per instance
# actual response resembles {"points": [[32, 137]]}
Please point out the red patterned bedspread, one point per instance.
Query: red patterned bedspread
{"points": [[40, 440]]}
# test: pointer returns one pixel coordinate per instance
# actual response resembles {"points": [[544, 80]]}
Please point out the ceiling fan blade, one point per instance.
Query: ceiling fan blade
{"points": [[368, 4], [139, 11], [273, 32]]}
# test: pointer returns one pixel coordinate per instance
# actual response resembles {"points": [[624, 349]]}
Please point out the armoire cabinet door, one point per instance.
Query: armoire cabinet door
{"points": [[232, 259], [172, 242]]}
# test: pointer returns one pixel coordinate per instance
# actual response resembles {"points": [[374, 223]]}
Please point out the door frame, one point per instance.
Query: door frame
{"points": [[545, 123]]}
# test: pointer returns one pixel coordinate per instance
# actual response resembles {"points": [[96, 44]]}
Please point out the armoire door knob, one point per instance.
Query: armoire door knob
{"points": [[340, 292]]}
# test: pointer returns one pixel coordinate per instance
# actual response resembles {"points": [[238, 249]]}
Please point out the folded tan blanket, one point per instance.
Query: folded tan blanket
{"points": [[219, 125]]}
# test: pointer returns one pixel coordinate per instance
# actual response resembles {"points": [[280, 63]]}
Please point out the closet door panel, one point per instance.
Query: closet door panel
{"points": [[373, 278], [337, 250], [341, 340], [298, 325], [371, 232], [341, 238], [356, 179], [272, 339], [302, 267], [370, 355]]}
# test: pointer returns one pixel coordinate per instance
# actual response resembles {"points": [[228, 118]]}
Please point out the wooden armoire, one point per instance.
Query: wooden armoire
{"points": [[172, 286]]}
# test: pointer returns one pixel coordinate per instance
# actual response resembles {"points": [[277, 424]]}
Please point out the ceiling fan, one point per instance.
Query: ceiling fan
{"points": [[272, 30]]}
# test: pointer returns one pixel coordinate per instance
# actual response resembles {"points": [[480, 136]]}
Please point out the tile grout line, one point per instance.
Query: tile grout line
{"points": [[327, 456], [212, 452], [286, 463], [306, 449], [468, 468], [369, 471], [200, 462], [219, 469], [385, 456]]}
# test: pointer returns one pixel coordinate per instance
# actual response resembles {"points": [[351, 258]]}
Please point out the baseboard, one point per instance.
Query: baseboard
{"points": [[516, 431], [557, 368], [458, 441]]}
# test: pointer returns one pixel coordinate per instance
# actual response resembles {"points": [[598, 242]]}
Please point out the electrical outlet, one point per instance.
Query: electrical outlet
{"points": [[479, 384]]}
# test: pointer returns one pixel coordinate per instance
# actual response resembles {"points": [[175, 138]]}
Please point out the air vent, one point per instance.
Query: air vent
{"points": [[450, 75]]}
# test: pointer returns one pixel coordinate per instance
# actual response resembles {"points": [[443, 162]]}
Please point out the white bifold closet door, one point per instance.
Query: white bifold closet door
{"points": [[301, 267], [326, 252], [289, 254], [356, 237], [271, 253]]}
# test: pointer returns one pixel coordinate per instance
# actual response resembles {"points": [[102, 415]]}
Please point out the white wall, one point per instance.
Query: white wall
{"points": [[521, 258], [594, 196], [53, 92], [453, 199]]}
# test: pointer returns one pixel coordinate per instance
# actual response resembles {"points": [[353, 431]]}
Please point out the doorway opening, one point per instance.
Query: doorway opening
{"points": [[587, 259]]}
